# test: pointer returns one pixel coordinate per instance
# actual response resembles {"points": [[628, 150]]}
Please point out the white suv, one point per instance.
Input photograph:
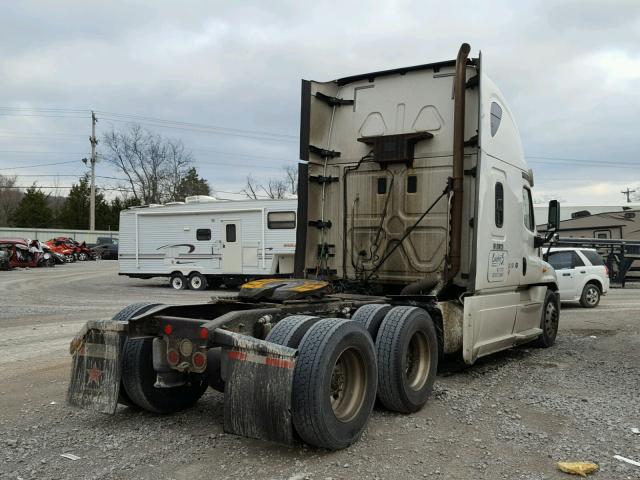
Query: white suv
{"points": [[582, 275]]}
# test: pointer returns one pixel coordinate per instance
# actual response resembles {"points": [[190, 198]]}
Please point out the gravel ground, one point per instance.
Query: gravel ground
{"points": [[513, 415]]}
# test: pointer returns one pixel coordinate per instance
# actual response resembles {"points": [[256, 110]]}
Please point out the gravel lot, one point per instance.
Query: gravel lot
{"points": [[512, 415]]}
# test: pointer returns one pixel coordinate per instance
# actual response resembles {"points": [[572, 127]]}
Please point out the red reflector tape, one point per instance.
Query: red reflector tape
{"points": [[235, 355], [279, 362], [270, 361]]}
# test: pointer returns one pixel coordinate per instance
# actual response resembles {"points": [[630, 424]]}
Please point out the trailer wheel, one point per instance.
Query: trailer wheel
{"points": [[178, 281], [139, 379], [549, 321], [124, 315], [290, 330], [371, 316], [334, 383], [197, 281], [407, 350]]}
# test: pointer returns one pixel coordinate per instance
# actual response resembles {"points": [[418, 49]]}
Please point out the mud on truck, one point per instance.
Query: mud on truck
{"points": [[416, 239]]}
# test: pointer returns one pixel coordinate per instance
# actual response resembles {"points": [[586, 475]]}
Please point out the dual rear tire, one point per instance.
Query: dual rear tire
{"points": [[137, 385], [340, 370]]}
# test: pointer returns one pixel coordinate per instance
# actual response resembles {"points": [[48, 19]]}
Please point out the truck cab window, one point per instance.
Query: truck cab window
{"points": [[496, 118], [230, 232], [412, 184], [527, 210], [499, 205], [203, 234], [382, 185]]}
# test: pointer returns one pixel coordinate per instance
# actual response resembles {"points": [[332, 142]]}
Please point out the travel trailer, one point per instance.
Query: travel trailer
{"points": [[415, 238], [204, 242]]}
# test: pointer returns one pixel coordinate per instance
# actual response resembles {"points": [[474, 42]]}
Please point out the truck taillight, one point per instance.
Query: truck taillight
{"points": [[204, 333], [172, 357], [199, 360], [168, 329]]}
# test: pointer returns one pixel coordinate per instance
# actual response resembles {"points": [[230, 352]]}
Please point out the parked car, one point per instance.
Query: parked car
{"points": [[61, 247], [582, 275], [4, 257], [105, 248], [19, 253]]}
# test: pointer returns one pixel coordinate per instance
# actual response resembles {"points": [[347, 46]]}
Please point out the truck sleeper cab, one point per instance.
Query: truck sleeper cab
{"points": [[415, 238]]}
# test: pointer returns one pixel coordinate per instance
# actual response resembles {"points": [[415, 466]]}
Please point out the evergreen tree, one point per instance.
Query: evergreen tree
{"points": [[33, 210], [191, 184]]}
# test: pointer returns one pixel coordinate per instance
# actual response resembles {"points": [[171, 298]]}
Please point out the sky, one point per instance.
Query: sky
{"points": [[569, 69]]}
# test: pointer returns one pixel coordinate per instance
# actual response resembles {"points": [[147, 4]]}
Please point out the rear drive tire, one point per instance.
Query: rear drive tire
{"points": [[334, 383], [139, 378], [549, 321], [124, 315], [177, 281], [370, 317], [197, 281], [407, 350], [590, 297], [289, 331]]}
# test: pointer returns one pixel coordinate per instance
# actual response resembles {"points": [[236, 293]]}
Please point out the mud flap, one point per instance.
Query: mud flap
{"points": [[95, 370], [258, 387]]}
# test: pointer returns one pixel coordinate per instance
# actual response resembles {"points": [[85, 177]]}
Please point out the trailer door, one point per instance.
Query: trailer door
{"points": [[231, 246]]}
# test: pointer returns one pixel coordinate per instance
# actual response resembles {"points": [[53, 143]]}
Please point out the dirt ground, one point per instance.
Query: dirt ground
{"points": [[512, 415]]}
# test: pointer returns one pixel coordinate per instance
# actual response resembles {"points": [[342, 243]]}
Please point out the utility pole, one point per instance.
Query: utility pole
{"points": [[628, 193], [94, 142]]}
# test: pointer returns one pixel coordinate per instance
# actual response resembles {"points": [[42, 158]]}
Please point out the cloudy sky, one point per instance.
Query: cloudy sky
{"points": [[570, 70]]}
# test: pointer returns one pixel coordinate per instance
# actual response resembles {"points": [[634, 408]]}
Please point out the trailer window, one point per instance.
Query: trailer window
{"points": [[499, 206], [230, 232], [412, 184], [496, 118], [281, 220], [203, 234], [527, 209], [382, 185]]}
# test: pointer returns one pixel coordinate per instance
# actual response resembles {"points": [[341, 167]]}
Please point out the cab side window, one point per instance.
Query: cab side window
{"points": [[499, 205], [527, 210]]}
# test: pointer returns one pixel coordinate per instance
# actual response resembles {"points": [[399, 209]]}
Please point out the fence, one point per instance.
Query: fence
{"points": [[44, 234]]}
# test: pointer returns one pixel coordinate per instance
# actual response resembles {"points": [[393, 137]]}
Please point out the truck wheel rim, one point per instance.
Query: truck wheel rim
{"points": [[196, 283], [418, 361], [177, 283], [348, 385], [592, 295], [551, 319]]}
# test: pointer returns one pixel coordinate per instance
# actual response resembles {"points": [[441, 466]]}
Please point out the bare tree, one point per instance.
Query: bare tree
{"points": [[9, 198], [275, 188], [152, 165], [251, 187], [291, 173]]}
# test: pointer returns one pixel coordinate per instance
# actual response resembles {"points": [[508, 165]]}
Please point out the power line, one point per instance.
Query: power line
{"points": [[71, 175], [198, 125], [39, 165], [42, 152]]}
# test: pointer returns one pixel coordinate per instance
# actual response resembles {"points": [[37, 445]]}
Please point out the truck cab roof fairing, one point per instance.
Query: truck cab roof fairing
{"points": [[499, 132]]}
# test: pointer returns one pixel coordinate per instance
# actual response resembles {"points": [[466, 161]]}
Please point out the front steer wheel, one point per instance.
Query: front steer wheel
{"points": [[334, 383], [549, 321], [139, 378]]}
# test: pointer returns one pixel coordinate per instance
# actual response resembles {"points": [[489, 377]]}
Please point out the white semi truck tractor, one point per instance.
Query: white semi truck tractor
{"points": [[415, 239]]}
